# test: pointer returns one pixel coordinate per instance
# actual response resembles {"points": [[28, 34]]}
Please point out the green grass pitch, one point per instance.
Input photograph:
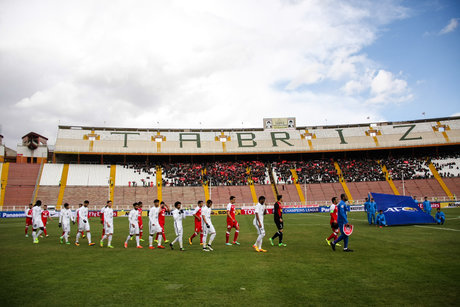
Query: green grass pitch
{"points": [[406, 265]]}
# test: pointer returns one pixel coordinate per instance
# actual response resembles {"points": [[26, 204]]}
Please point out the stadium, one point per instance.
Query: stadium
{"points": [[306, 165]]}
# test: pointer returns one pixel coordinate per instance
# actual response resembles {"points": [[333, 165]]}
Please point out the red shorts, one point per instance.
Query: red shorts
{"points": [[162, 227], [28, 221], [231, 224], [198, 227], [44, 221], [141, 225]]}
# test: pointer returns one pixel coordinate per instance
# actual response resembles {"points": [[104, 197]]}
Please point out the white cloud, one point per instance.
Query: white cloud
{"points": [[451, 26], [185, 62]]}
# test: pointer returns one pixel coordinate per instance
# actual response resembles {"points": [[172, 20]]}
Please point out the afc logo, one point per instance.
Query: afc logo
{"points": [[400, 209]]}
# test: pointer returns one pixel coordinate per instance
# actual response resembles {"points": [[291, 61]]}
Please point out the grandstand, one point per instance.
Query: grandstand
{"points": [[307, 165]]}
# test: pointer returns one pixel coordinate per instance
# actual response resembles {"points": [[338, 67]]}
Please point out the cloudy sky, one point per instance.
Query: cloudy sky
{"points": [[182, 64]]}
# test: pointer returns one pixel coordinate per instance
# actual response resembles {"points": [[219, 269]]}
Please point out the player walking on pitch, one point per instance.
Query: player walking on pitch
{"points": [[161, 220], [108, 225], [198, 226], [102, 217], [342, 220], [133, 226], [64, 221], [83, 224], [45, 216], [208, 228], [178, 215], [154, 225], [279, 222], [231, 222], [37, 221], [258, 222], [333, 209], [28, 213], [141, 225]]}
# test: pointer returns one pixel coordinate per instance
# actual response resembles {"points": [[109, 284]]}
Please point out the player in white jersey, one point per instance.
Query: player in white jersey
{"points": [[101, 215], [259, 224], [64, 221], [37, 222], [108, 225], [77, 218], [133, 226], [178, 215], [154, 224], [208, 228], [83, 224]]}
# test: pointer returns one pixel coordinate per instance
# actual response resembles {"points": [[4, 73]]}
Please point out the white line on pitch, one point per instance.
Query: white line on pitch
{"points": [[437, 228]]}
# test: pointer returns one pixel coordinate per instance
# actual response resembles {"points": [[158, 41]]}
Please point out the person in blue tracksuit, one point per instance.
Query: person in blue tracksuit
{"points": [[440, 217], [380, 220], [415, 200], [342, 220], [367, 205], [371, 212], [427, 206]]}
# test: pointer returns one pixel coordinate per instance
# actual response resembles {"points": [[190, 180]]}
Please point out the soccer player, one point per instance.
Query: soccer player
{"points": [[108, 225], [133, 226], [83, 224], [154, 224], [440, 217], [28, 213], [198, 226], [231, 222], [259, 224], [342, 220], [427, 205], [102, 216], [64, 221], [45, 216], [141, 225], [334, 225], [161, 220], [208, 227], [278, 217], [380, 220], [77, 218], [178, 215], [37, 221]]}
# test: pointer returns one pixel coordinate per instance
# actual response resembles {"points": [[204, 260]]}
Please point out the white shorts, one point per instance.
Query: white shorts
{"points": [[134, 230], [260, 231], [83, 226], [66, 227], [154, 229], [207, 230], [108, 229], [37, 224], [178, 229]]}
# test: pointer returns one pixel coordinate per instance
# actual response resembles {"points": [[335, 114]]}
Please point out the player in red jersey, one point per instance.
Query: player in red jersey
{"points": [[231, 222], [334, 225], [141, 225], [161, 220], [28, 213], [198, 227], [45, 216]]}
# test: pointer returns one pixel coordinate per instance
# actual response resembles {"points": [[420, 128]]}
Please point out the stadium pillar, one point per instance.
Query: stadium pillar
{"points": [[4, 181], [63, 184]]}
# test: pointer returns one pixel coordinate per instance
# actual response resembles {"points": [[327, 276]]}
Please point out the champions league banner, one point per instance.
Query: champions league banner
{"points": [[401, 210]]}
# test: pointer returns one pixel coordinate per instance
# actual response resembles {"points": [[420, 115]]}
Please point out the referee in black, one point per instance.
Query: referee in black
{"points": [[278, 216]]}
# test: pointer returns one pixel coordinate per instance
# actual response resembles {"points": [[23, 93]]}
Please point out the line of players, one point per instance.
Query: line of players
{"points": [[37, 217]]}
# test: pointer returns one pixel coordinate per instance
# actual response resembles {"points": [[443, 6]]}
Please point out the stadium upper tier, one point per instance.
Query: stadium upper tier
{"points": [[100, 140]]}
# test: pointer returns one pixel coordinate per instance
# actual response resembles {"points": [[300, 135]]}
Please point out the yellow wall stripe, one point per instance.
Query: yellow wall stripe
{"points": [[297, 185], [440, 181], [113, 171], [159, 183], [389, 180], [342, 181], [63, 184], [4, 181]]}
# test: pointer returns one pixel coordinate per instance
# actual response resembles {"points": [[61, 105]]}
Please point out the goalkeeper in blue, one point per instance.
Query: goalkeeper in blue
{"points": [[381, 221], [440, 217]]}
